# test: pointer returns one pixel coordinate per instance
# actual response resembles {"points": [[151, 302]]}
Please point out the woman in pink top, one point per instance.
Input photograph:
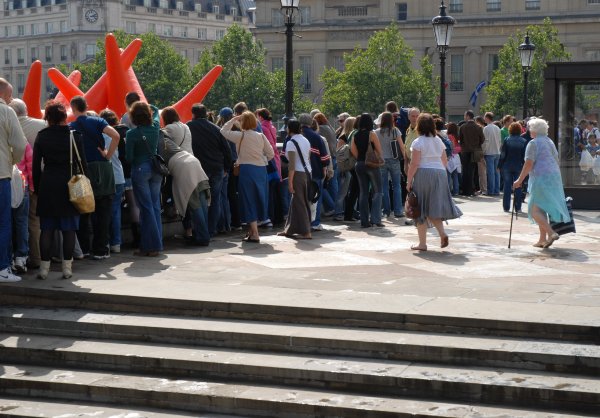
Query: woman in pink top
{"points": [[264, 117]]}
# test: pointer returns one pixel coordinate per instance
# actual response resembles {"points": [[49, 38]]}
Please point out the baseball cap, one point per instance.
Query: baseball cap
{"points": [[226, 111]]}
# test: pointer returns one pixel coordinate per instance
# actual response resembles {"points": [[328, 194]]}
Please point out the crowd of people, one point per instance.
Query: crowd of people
{"points": [[227, 172]]}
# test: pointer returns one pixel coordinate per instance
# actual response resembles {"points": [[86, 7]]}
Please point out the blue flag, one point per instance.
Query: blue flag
{"points": [[475, 94]]}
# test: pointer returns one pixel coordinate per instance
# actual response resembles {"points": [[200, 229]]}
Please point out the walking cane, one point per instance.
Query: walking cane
{"points": [[512, 215]]}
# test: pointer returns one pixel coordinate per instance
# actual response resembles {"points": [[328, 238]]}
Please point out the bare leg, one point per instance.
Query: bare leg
{"points": [[253, 230], [541, 219], [422, 231], [439, 225]]}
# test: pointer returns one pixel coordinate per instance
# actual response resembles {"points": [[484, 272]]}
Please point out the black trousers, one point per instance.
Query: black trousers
{"points": [[94, 228], [468, 173]]}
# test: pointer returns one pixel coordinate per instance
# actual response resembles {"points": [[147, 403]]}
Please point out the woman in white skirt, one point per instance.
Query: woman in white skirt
{"points": [[427, 178]]}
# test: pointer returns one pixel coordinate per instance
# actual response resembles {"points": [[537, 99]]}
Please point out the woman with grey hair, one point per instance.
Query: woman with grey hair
{"points": [[547, 198]]}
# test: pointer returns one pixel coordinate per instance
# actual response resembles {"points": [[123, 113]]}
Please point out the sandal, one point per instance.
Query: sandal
{"points": [[551, 239], [418, 248], [539, 244], [444, 241]]}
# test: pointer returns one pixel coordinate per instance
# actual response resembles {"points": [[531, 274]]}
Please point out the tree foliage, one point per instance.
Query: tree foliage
{"points": [[505, 91], [381, 72], [245, 76], [164, 75]]}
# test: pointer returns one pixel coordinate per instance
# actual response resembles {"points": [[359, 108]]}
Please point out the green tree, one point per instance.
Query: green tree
{"points": [[164, 75], [505, 91], [381, 72], [245, 76]]}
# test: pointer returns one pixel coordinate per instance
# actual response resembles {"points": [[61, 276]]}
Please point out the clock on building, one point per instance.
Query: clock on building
{"points": [[91, 15]]}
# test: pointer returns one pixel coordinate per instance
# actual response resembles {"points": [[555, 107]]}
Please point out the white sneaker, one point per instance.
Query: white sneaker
{"points": [[7, 275], [115, 249], [317, 227], [21, 264]]}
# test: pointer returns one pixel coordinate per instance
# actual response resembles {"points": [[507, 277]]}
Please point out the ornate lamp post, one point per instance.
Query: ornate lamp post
{"points": [[288, 7], [526, 51], [442, 28]]}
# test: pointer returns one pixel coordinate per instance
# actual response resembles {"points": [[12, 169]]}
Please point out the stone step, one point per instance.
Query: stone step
{"points": [[15, 294], [285, 338], [30, 408], [217, 397], [509, 387]]}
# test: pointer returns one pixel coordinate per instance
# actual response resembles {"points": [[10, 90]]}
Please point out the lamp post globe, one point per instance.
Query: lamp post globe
{"points": [[526, 52], [288, 9], [442, 29]]}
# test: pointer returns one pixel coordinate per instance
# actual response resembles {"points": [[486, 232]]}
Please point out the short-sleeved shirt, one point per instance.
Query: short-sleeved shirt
{"points": [[431, 149], [90, 128], [304, 146]]}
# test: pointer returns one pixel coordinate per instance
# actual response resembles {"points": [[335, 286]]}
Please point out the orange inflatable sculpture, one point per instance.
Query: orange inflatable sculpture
{"points": [[112, 87]]}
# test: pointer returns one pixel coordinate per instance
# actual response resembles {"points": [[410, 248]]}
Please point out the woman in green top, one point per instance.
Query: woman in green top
{"points": [[141, 144]]}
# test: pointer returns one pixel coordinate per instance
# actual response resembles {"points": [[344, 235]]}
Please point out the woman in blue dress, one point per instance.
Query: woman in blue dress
{"points": [[547, 197]]}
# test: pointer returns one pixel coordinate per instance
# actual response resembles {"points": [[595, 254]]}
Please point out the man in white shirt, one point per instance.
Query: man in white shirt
{"points": [[491, 152], [12, 149]]}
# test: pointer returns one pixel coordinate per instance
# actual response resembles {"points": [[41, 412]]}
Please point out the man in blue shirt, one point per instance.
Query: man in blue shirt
{"points": [[101, 176], [319, 159]]}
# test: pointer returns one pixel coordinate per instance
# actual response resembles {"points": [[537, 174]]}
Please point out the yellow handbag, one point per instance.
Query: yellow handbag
{"points": [[81, 193]]}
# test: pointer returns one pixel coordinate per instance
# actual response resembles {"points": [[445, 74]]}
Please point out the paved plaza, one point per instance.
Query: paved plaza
{"points": [[346, 267]]}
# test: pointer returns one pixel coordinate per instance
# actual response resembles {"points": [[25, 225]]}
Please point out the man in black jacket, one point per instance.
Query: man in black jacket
{"points": [[212, 149]]}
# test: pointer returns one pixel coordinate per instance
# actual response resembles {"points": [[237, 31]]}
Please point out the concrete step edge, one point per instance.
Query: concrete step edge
{"points": [[277, 338], [214, 397], [19, 295]]}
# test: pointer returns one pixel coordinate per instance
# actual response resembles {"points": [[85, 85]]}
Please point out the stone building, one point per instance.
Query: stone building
{"points": [[66, 31], [330, 28]]}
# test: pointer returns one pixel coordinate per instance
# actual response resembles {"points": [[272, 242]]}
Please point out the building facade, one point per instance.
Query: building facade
{"points": [[330, 28], [66, 31]]}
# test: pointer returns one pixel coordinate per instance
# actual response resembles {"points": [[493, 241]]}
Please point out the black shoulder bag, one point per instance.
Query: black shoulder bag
{"points": [[158, 163]]}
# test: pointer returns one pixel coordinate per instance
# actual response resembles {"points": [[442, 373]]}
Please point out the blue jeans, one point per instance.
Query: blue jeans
{"points": [[343, 185], [115, 222], [21, 227], [200, 221], [214, 211], [5, 223], [285, 197], [317, 220], [224, 223], [369, 176], [493, 176], [453, 182], [392, 168], [331, 191], [146, 189], [509, 176]]}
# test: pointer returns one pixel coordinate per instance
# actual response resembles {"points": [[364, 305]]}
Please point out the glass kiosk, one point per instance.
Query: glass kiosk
{"points": [[572, 106]]}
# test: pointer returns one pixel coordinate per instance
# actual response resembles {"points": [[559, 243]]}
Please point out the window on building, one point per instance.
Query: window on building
{"points": [[168, 30], [592, 55], [305, 15], [593, 1], [130, 26], [183, 31], [20, 83], [152, 27], [49, 27], [20, 56], [63, 52], [220, 34], [63, 25], [456, 72], [90, 51], [202, 33], [6, 31], [402, 9], [163, 4], [34, 54], [34, 29], [276, 17], [184, 53], [233, 11], [307, 73], [48, 53], [353, 11], [492, 65], [7, 56], [456, 6], [532, 4], [493, 5], [20, 30], [276, 63], [215, 9], [338, 62]]}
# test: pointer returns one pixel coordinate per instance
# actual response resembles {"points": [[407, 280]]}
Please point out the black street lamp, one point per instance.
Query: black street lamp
{"points": [[442, 28], [288, 7], [526, 51]]}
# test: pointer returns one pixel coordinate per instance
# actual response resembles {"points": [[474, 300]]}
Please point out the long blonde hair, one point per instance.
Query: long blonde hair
{"points": [[348, 126]]}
